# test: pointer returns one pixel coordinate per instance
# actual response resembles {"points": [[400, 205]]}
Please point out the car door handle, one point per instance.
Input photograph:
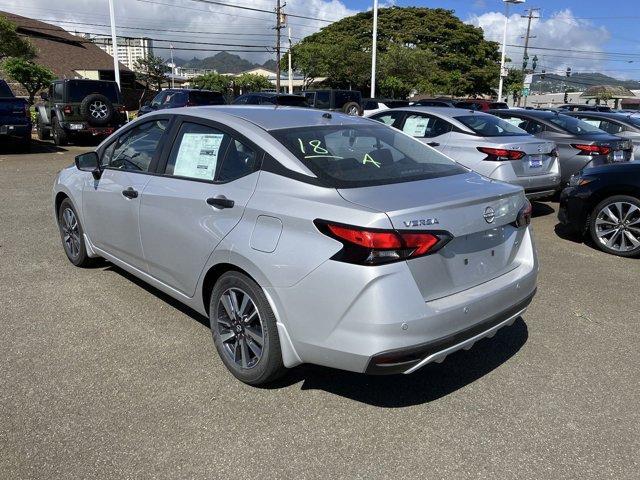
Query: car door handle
{"points": [[220, 202], [130, 193], [433, 144]]}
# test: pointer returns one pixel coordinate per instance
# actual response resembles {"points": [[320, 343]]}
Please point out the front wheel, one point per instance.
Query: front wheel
{"points": [[72, 235], [244, 329], [615, 225]]}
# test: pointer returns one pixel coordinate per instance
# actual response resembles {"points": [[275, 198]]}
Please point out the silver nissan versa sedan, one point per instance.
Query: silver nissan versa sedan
{"points": [[304, 236]]}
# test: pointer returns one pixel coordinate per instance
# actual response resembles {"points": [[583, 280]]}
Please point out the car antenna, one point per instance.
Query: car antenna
{"points": [[327, 115]]}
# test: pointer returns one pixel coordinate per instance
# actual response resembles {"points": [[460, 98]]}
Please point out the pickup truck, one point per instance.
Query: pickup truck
{"points": [[15, 120]]}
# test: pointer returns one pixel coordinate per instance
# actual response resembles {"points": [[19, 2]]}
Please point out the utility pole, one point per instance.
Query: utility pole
{"points": [[290, 69], [374, 48], [114, 43], [279, 26], [503, 72], [525, 56]]}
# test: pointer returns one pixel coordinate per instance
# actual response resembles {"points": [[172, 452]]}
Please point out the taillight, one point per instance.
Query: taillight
{"points": [[376, 246], [592, 149], [501, 154], [524, 215], [67, 109]]}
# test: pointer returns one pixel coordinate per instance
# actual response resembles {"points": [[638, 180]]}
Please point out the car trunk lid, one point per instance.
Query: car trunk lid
{"points": [[478, 213], [538, 154]]}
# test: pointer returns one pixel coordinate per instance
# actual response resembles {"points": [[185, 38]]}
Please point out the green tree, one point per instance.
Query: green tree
{"points": [[11, 44], [251, 82], [31, 76], [442, 43], [151, 71], [212, 81], [514, 83]]}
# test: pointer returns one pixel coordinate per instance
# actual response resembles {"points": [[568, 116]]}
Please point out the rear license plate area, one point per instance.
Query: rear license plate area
{"points": [[618, 156], [536, 161]]}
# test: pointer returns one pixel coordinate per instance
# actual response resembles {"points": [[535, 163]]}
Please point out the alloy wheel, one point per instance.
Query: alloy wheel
{"points": [[70, 233], [240, 328], [98, 109], [617, 226]]}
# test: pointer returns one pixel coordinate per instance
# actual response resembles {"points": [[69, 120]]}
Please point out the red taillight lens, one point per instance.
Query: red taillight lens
{"points": [[500, 154], [68, 110], [374, 247], [524, 215], [592, 149]]}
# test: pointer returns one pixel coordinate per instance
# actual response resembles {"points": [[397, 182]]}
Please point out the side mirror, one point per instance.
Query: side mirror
{"points": [[44, 96], [89, 162]]}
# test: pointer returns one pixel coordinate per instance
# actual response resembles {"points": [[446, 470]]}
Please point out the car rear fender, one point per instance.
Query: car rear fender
{"points": [[43, 114]]}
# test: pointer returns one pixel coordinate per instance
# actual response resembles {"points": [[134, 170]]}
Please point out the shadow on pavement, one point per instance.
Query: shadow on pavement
{"points": [[427, 384], [37, 146], [541, 209]]}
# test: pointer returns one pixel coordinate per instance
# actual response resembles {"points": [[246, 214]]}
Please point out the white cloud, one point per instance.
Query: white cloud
{"points": [[197, 17], [560, 30]]}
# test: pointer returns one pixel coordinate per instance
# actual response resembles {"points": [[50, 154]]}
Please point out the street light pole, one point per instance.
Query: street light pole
{"points": [[374, 48], [504, 45], [114, 43]]}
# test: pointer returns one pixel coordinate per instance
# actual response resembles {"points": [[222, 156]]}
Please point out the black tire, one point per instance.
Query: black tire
{"points": [[97, 109], [352, 108], [624, 225], [78, 255], [254, 371], [59, 135], [43, 132]]}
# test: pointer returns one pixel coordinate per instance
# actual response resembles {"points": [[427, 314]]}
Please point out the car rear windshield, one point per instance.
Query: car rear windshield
{"points": [[490, 126], [499, 106], [206, 98], [5, 91], [77, 90], [346, 156], [292, 101], [573, 125]]}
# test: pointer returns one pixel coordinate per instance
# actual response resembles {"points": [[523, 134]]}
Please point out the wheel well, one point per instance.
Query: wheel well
{"points": [[212, 277], [599, 196], [59, 199]]}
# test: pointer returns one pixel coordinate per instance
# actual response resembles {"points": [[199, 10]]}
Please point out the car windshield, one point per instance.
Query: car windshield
{"points": [[573, 125], [490, 126], [292, 101], [347, 156], [77, 90], [206, 98]]}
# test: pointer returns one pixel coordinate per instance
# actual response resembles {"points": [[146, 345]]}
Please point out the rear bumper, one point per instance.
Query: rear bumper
{"points": [[87, 130], [572, 211], [19, 132]]}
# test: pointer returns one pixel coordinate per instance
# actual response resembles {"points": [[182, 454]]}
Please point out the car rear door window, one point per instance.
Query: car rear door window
{"points": [[323, 100], [202, 152], [425, 126], [135, 149], [393, 119], [610, 127]]}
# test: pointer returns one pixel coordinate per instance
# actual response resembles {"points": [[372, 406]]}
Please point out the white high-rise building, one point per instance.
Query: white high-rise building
{"points": [[129, 49]]}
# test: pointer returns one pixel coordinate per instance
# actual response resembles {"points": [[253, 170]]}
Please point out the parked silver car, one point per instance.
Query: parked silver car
{"points": [[623, 125], [484, 143], [305, 236]]}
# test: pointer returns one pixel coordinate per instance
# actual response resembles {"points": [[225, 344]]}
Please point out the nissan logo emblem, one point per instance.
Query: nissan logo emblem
{"points": [[489, 214]]}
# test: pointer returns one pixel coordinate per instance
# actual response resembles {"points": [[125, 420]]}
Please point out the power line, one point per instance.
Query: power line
{"points": [[253, 9]]}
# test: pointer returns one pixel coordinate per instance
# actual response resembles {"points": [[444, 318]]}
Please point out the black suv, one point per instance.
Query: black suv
{"points": [[347, 101], [271, 98], [182, 97], [75, 109]]}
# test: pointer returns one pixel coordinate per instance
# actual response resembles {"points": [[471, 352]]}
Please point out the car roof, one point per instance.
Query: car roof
{"points": [[527, 113], [442, 111], [270, 117]]}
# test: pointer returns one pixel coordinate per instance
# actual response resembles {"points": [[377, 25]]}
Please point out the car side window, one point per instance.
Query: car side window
{"points": [[58, 91], [157, 100], [135, 149], [310, 96], [323, 100], [240, 160], [530, 126], [611, 127], [425, 126], [393, 119]]}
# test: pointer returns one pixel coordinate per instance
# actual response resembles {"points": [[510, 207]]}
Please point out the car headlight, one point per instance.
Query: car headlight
{"points": [[578, 180]]}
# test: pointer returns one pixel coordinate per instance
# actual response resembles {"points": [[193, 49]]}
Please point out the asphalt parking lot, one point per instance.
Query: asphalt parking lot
{"points": [[105, 377]]}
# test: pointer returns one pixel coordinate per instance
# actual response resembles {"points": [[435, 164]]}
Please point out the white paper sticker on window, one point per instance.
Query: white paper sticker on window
{"points": [[514, 121], [416, 126], [198, 155], [595, 123]]}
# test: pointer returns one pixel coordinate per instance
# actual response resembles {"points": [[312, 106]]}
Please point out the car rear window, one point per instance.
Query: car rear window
{"points": [[490, 126], [469, 105], [345, 156], [499, 105], [5, 91], [396, 103], [206, 98], [77, 90], [573, 125], [292, 101]]}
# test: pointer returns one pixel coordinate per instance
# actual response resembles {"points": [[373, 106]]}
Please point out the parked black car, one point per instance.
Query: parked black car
{"points": [[15, 119], [271, 98], [182, 97], [434, 102], [623, 125], [605, 202], [579, 143], [583, 107], [347, 101]]}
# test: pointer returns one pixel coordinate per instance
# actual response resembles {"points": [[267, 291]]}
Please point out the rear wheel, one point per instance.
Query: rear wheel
{"points": [[352, 108], [72, 235], [244, 329], [59, 135], [615, 225]]}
